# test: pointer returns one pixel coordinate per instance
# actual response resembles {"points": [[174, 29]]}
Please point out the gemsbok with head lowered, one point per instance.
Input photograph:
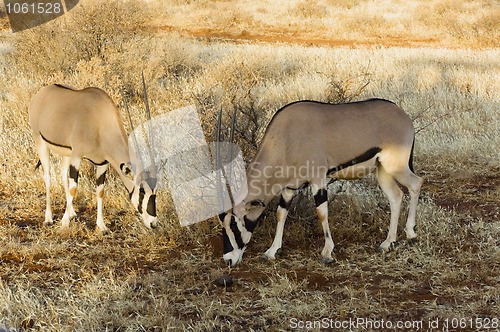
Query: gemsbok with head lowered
{"points": [[311, 143], [85, 124]]}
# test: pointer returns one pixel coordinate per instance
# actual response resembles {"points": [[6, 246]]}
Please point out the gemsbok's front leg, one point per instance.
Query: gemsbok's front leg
{"points": [[281, 214], [321, 200], [100, 178], [74, 167]]}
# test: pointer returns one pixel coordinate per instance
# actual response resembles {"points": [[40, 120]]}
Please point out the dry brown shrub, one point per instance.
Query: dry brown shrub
{"points": [[94, 29]]}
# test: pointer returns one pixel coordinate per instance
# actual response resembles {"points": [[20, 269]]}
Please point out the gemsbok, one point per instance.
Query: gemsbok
{"points": [[310, 143], [85, 124]]}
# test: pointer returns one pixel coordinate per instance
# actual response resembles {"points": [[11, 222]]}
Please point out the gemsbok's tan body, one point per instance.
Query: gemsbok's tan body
{"points": [[85, 124], [309, 144]]}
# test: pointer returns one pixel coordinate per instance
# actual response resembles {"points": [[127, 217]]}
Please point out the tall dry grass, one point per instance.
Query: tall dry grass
{"points": [[137, 280]]}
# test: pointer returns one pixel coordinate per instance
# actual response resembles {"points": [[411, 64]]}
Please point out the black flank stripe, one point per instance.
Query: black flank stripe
{"points": [[359, 159], [55, 144]]}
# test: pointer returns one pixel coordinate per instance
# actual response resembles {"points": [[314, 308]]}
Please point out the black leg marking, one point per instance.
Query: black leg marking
{"points": [[250, 224], [100, 180], [283, 203], [320, 197], [73, 173]]}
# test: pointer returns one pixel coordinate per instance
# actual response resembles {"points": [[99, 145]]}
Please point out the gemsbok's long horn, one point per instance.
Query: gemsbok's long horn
{"points": [[218, 164], [149, 124], [134, 137]]}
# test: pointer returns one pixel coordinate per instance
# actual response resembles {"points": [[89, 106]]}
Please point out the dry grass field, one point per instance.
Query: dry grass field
{"points": [[438, 59]]}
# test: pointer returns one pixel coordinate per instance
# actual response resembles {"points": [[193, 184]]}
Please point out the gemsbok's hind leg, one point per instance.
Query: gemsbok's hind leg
{"points": [[74, 166], [100, 177], [395, 196], [44, 155], [321, 201], [281, 214], [69, 213], [413, 183]]}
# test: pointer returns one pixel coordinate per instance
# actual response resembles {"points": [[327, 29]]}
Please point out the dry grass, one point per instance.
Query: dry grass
{"points": [[134, 280], [435, 23]]}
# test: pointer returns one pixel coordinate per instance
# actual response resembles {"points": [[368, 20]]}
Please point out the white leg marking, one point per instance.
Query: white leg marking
{"points": [[281, 214], [322, 212], [69, 213], [100, 193], [44, 154], [74, 162], [413, 183], [395, 195]]}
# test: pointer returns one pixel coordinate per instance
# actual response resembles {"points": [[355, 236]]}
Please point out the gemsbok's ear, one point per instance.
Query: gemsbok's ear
{"points": [[126, 169]]}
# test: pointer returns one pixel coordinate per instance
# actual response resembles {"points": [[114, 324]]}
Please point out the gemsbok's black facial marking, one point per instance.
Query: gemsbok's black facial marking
{"points": [[131, 193], [236, 232], [151, 207], [227, 244], [369, 154], [73, 173], [320, 197], [141, 198]]}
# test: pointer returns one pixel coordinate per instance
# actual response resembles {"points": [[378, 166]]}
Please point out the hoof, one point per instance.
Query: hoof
{"points": [[265, 258], [412, 241], [326, 260], [392, 247], [103, 231]]}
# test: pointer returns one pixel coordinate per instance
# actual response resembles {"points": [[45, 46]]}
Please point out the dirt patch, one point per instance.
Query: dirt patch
{"points": [[293, 37], [467, 193]]}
